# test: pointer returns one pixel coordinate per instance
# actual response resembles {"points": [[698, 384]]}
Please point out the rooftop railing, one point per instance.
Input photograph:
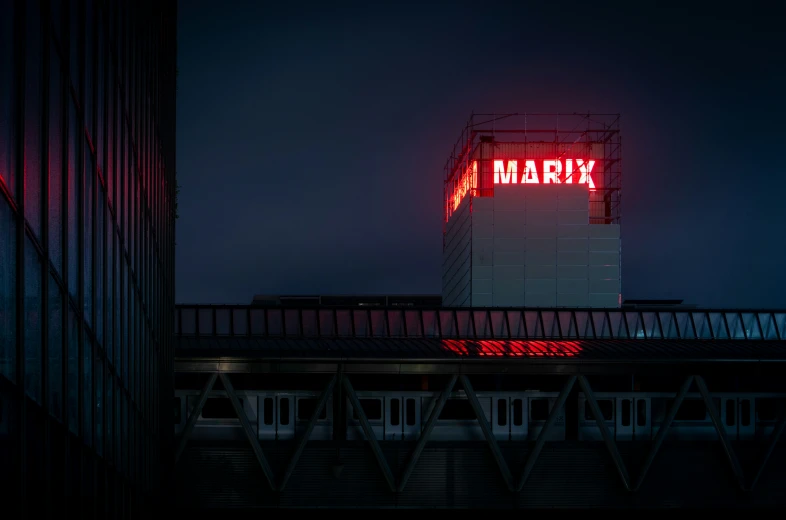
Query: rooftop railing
{"points": [[485, 323]]}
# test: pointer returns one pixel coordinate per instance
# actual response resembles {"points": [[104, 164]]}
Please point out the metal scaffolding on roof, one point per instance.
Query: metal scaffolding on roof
{"points": [[596, 135]]}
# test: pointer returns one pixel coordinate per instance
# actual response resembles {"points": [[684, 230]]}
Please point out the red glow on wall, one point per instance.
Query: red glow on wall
{"points": [[467, 181], [512, 348]]}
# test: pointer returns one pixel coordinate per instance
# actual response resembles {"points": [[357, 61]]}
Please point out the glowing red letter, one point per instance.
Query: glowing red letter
{"points": [[530, 173], [585, 170], [502, 177], [568, 171], [549, 176]]}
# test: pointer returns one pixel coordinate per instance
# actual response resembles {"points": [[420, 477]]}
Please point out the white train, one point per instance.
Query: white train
{"points": [[512, 415], [639, 415]]}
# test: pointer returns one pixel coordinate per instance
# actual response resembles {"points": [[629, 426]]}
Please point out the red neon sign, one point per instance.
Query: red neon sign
{"points": [[467, 181], [557, 171], [527, 171]]}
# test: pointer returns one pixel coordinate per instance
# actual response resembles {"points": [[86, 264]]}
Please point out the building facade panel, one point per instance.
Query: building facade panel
{"points": [[553, 195], [87, 187]]}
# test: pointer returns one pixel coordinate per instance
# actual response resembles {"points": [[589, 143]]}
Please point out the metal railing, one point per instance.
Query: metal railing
{"points": [[486, 323]]}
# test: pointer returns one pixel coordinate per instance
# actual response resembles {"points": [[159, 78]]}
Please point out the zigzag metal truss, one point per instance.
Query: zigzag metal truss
{"points": [[398, 485]]}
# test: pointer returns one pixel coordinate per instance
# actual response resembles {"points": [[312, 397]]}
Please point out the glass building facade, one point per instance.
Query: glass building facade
{"points": [[87, 224]]}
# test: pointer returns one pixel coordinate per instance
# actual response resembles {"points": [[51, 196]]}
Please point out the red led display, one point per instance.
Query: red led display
{"points": [[511, 348]]}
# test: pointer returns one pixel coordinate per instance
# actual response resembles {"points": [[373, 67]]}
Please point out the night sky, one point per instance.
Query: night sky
{"points": [[312, 138]]}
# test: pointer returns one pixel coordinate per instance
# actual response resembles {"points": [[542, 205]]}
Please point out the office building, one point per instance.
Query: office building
{"points": [[87, 210], [532, 212]]}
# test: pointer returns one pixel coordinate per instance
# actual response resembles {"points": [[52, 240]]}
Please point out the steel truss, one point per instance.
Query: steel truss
{"points": [[398, 485], [479, 323]]}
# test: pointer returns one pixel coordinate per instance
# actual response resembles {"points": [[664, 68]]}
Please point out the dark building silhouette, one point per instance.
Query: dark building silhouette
{"points": [[87, 196]]}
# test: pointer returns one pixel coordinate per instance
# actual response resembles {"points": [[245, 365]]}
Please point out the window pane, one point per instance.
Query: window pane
{"points": [[502, 412], [457, 410], [73, 372], [730, 412], [8, 105], [126, 190], [32, 306], [100, 98], [626, 403], [33, 115], [72, 246], [89, 68], [125, 331], [109, 291], [283, 409], [76, 58], [7, 289], [99, 266], [220, 408], [641, 412], [55, 160], [88, 216], [410, 412], [517, 412], [745, 412], [57, 17], [118, 422], [87, 390], [124, 432], [99, 407], [131, 369], [109, 417], [109, 174], [395, 412], [118, 304], [55, 349]]}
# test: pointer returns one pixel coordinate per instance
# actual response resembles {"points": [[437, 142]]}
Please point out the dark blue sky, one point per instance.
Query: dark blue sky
{"points": [[311, 138]]}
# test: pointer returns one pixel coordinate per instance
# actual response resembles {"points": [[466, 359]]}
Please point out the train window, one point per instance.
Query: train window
{"points": [[410, 412], [518, 410], [177, 410], [457, 410], [268, 410], [539, 409], [745, 412], [219, 408], [305, 409], [371, 407], [766, 409], [729, 412], [690, 410], [641, 412], [395, 412], [626, 412], [606, 409], [502, 412], [283, 411]]}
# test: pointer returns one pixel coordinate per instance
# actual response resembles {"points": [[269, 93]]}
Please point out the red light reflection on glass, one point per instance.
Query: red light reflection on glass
{"points": [[512, 348]]}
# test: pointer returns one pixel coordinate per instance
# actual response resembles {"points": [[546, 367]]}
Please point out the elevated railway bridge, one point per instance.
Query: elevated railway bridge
{"points": [[396, 407]]}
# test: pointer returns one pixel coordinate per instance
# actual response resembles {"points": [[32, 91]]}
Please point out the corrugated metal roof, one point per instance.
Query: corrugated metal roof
{"points": [[447, 349]]}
